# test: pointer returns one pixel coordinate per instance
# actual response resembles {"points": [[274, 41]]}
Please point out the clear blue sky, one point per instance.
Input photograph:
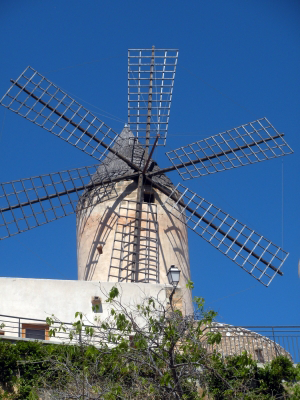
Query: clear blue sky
{"points": [[238, 61]]}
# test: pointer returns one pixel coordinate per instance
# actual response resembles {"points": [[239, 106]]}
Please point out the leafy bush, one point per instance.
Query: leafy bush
{"points": [[248, 381]]}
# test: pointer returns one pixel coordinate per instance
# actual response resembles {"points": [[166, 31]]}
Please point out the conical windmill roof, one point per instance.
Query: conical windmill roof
{"points": [[129, 147]]}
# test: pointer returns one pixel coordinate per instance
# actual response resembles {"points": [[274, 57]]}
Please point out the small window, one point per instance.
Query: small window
{"points": [[2, 333], [38, 332], [148, 197], [259, 355]]}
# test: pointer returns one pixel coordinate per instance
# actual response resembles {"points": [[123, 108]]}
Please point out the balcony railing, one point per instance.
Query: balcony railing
{"points": [[263, 342], [30, 328]]}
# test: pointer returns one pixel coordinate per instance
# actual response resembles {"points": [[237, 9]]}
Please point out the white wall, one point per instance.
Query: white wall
{"points": [[39, 298], [42, 298]]}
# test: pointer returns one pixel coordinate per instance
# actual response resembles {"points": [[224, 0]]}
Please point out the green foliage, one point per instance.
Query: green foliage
{"points": [[293, 388], [240, 377], [19, 366], [280, 369], [235, 374], [114, 292], [190, 285], [24, 366]]}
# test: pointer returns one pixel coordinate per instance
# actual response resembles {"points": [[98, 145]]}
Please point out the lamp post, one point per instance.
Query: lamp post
{"points": [[173, 276]]}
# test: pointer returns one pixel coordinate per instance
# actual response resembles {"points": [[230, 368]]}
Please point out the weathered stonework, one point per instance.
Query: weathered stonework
{"points": [[97, 226], [235, 340]]}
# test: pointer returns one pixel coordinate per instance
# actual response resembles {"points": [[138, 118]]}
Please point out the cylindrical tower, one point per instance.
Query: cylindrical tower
{"points": [[105, 229]]}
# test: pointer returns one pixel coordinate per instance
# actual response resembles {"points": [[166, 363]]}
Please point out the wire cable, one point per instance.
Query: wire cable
{"points": [[68, 103], [109, 115], [282, 203], [233, 294]]}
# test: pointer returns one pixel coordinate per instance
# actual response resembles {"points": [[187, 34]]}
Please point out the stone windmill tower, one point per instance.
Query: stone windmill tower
{"points": [[107, 250], [131, 220]]}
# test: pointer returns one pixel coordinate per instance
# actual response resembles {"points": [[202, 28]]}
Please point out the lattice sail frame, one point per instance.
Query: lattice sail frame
{"points": [[247, 144], [122, 256], [40, 101], [57, 112], [251, 251], [139, 70], [31, 202]]}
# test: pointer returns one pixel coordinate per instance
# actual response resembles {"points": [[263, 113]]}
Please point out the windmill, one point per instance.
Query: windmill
{"points": [[116, 201]]}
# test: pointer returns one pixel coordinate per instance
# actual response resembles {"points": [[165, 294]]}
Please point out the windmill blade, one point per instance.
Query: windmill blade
{"points": [[151, 74], [40, 101], [247, 144], [256, 255], [28, 203]]}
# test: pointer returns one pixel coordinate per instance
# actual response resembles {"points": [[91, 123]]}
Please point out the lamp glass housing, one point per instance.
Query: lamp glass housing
{"points": [[173, 275]]}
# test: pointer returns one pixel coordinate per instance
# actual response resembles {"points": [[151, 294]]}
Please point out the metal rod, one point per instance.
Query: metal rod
{"points": [[151, 153], [149, 107], [137, 228], [52, 196], [171, 298], [188, 163], [232, 239], [140, 187], [128, 162]]}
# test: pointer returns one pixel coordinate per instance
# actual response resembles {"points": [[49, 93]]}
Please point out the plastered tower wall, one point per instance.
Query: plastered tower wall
{"points": [[97, 225]]}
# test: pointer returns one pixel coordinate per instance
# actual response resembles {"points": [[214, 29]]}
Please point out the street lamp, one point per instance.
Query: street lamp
{"points": [[173, 276]]}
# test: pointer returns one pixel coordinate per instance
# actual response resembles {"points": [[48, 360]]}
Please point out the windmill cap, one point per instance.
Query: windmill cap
{"points": [[127, 145]]}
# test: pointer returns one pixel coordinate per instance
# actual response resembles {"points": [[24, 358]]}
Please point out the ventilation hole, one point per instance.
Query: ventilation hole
{"points": [[148, 197]]}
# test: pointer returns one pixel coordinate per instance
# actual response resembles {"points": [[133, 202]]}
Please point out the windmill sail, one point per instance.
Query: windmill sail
{"points": [[31, 202], [40, 101], [151, 74], [28, 203], [247, 144], [255, 254]]}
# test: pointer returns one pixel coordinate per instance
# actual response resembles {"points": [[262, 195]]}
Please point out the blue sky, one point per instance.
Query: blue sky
{"points": [[238, 61]]}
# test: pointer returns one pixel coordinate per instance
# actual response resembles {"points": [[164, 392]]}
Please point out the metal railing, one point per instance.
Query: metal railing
{"points": [[264, 343], [32, 328]]}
